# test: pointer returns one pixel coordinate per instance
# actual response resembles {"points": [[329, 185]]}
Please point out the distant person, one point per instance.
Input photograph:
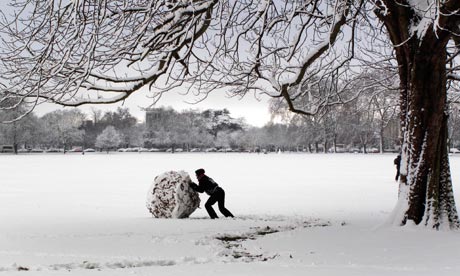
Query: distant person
{"points": [[397, 162], [216, 194]]}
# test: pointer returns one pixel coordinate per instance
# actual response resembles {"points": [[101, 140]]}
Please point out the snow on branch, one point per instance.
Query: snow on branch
{"points": [[78, 52], [273, 48], [61, 51]]}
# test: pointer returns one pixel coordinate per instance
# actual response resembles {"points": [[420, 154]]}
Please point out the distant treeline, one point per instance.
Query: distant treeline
{"points": [[344, 129]]}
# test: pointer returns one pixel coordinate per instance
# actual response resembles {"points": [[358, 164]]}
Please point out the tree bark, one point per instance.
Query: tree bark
{"points": [[426, 184], [335, 143], [426, 194]]}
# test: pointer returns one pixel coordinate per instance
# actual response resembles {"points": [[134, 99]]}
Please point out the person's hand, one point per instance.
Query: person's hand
{"points": [[193, 185]]}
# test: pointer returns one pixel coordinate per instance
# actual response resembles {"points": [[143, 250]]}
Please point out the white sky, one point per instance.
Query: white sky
{"points": [[254, 110]]}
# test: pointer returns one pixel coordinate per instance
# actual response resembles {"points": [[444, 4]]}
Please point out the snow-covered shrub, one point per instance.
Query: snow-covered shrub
{"points": [[171, 196]]}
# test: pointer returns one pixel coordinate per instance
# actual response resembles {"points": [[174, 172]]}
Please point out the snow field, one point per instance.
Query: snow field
{"points": [[297, 213]]}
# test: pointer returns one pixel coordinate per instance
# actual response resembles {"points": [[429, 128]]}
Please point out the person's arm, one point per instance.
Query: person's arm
{"points": [[196, 187]]}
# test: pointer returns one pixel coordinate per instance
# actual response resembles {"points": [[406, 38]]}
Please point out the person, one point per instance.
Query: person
{"points": [[215, 192], [397, 162]]}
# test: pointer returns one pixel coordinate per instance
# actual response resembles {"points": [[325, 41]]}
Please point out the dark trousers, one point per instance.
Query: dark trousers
{"points": [[219, 197], [397, 175]]}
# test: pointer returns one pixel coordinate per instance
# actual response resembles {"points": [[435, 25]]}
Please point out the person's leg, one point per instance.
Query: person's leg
{"points": [[221, 203], [208, 205], [397, 175]]}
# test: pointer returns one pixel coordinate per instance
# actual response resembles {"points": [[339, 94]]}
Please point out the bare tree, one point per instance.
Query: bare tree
{"points": [[71, 52], [454, 125], [87, 51], [63, 128], [24, 132], [110, 138], [379, 102]]}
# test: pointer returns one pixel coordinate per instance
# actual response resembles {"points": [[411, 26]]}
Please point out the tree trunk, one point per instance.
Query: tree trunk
{"points": [[425, 191], [335, 144], [325, 145], [425, 196]]}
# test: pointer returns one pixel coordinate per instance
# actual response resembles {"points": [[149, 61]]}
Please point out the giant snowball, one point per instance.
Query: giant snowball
{"points": [[171, 196]]}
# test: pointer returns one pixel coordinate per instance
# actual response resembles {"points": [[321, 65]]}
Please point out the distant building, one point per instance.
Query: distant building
{"points": [[155, 117]]}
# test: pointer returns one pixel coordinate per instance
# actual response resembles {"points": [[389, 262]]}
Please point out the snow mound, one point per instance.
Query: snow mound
{"points": [[171, 196]]}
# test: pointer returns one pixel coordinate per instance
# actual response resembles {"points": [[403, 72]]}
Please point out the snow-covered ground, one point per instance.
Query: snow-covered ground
{"points": [[297, 214]]}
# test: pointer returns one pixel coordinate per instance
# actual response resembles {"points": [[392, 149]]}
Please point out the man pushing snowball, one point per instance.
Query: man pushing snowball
{"points": [[216, 194]]}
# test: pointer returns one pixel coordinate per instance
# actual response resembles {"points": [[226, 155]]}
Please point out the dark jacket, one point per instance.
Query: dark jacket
{"points": [[397, 162], [206, 184]]}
